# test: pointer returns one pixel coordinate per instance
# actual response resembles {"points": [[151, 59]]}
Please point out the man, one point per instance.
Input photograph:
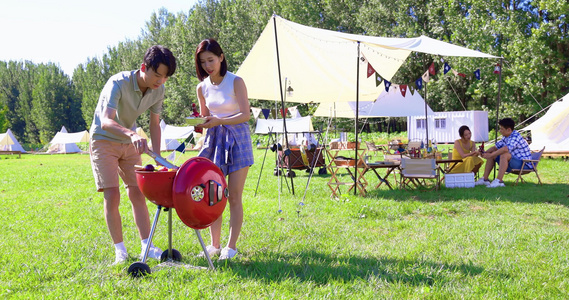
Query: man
{"points": [[508, 153], [116, 147]]}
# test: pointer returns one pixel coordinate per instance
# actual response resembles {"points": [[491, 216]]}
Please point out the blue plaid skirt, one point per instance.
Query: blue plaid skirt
{"points": [[228, 147]]}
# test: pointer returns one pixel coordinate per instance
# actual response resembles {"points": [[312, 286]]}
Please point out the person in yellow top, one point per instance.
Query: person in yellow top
{"points": [[466, 149]]}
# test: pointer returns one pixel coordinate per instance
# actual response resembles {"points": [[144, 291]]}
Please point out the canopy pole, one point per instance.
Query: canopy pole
{"points": [[498, 106], [357, 116], [283, 105], [426, 118]]}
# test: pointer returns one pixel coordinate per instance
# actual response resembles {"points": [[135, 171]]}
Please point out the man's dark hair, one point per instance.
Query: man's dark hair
{"points": [[157, 55], [507, 123], [462, 129]]}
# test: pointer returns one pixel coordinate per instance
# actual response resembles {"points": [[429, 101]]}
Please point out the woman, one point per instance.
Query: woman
{"points": [[466, 149], [223, 102]]}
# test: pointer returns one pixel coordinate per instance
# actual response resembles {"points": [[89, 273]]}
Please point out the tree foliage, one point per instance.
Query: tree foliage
{"points": [[532, 36]]}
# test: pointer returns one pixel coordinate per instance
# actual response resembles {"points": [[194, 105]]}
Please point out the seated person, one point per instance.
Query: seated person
{"points": [[465, 148], [508, 153]]}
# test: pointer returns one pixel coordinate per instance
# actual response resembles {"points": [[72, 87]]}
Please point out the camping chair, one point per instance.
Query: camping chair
{"points": [[413, 170], [373, 149], [535, 158]]}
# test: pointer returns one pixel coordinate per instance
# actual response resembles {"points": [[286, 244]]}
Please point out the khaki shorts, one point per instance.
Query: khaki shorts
{"points": [[111, 159]]}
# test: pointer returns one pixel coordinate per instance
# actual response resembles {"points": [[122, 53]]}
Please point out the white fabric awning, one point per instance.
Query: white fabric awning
{"points": [[68, 138], [322, 65]]}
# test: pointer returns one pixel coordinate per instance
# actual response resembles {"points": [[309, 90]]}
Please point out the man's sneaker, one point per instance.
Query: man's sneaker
{"points": [[211, 250], [120, 257], [481, 181], [153, 252], [227, 253], [496, 183]]}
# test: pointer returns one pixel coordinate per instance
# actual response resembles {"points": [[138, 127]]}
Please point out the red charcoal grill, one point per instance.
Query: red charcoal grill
{"points": [[198, 192]]}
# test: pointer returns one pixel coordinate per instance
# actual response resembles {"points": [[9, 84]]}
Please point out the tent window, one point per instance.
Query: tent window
{"points": [[421, 124], [440, 123]]}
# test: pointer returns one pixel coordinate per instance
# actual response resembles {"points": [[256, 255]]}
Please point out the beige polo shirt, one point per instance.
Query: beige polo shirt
{"points": [[121, 92]]}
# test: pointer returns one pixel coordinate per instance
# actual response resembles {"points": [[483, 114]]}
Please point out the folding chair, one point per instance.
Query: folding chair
{"points": [[535, 158], [415, 171]]}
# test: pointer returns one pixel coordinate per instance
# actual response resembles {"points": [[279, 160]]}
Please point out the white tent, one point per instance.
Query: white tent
{"points": [[322, 65], [171, 134], [294, 125], [13, 146], [388, 104], [552, 130], [5, 140], [64, 142]]}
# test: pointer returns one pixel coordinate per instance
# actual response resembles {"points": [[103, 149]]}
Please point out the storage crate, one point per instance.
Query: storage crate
{"points": [[459, 180]]}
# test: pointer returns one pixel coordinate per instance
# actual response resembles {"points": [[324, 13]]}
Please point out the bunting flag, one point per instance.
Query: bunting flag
{"points": [[172, 156], [432, 69], [378, 79], [403, 89], [370, 70], [283, 114], [425, 77], [266, 112], [256, 111], [181, 148], [462, 75], [477, 74], [419, 83], [497, 69], [387, 85], [447, 68], [411, 89], [294, 112]]}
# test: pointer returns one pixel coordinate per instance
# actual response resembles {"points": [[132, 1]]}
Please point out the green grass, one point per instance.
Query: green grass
{"points": [[455, 243]]}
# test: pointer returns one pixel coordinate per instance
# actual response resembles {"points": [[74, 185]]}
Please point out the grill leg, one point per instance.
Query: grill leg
{"points": [[170, 252], [151, 233], [211, 267]]}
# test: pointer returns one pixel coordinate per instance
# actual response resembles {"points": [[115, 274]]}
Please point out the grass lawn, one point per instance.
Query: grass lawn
{"points": [[477, 243]]}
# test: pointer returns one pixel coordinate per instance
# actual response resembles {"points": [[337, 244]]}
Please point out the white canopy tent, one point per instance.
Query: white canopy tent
{"points": [[14, 145], [171, 134], [5, 140], [552, 130], [388, 104], [322, 65], [64, 142], [302, 124]]}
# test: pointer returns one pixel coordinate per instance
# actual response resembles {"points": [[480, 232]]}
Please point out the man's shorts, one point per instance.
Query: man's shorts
{"points": [[111, 159], [513, 164]]}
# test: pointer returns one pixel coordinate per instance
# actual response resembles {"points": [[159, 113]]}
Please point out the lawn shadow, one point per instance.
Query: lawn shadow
{"points": [[322, 269], [524, 192]]}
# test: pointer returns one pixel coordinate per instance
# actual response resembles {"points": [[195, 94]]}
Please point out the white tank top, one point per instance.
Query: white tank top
{"points": [[220, 99]]}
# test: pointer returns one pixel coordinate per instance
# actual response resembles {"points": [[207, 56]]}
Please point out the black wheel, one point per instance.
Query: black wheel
{"points": [[322, 171], [176, 255], [277, 172], [138, 269], [290, 174]]}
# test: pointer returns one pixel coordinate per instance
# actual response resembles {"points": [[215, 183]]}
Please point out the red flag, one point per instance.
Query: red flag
{"points": [[285, 111], [462, 75], [370, 70], [432, 69], [403, 89]]}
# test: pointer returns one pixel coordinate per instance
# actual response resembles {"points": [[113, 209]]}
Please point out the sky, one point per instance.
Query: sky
{"points": [[68, 32]]}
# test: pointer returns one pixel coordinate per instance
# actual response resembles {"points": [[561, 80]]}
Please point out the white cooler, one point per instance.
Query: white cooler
{"points": [[459, 180]]}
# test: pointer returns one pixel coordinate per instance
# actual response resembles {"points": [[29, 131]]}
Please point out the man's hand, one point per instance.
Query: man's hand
{"points": [[140, 144]]}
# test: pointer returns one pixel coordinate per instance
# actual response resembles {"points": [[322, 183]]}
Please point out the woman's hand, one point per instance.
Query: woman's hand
{"points": [[210, 121]]}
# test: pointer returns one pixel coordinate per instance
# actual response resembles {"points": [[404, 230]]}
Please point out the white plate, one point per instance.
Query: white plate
{"points": [[193, 121]]}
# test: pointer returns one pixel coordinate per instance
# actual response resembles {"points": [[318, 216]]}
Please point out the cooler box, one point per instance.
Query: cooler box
{"points": [[459, 180]]}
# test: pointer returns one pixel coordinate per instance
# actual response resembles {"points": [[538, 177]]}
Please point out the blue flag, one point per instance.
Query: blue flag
{"points": [[181, 148], [387, 85], [447, 68], [419, 83], [477, 74]]}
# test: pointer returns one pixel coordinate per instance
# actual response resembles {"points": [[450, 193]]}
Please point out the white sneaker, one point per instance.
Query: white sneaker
{"points": [[496, 183], [227, 253], [120, 257], [211, 250], [153, 252], [481, 181]]}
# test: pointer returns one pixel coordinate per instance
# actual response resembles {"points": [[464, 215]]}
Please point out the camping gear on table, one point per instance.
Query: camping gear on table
{"points": [[198, 192]]}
